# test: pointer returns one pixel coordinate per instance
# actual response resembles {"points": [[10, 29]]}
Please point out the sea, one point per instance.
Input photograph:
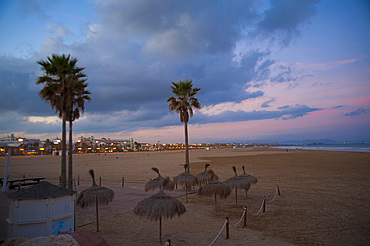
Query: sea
{"points": [[351, 147]]}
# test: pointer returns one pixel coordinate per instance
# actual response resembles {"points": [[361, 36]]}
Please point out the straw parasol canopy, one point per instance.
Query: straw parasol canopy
{"points": [[238, 182], [186, 179], [160, 205], [206, 176], [95, 195], [157, 182], [251, 178], [215, 188]]}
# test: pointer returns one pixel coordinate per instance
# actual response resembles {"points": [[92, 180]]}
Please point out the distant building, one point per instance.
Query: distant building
{"points": [[27, 146], [125, 144]]}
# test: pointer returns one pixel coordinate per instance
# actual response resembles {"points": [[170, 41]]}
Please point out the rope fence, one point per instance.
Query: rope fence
{"points": [[277, 193], [262, 208], [214, 240], [244, 215], [227, 222]]}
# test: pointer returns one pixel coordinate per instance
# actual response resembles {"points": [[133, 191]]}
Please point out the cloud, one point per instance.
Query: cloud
{"points": [[286, 112], [282, 21], [19, 92], [38, 8], [179, 28], [267, 103], [357, 112], [138, 48], [294, 112]]}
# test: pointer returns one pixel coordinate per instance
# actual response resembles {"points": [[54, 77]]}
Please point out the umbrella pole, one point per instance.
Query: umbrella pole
{"points": [[160, 229], [186, 193], [215, 204], [246, 194], [236, 196], [97, 215]]}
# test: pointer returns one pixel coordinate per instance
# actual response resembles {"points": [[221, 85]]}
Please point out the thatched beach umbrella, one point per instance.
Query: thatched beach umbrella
{"points": [[206, 176], [95, 195], [251, 178], [186, 179], [160, 205], [238, 182], [215, 188], [157, 182]]}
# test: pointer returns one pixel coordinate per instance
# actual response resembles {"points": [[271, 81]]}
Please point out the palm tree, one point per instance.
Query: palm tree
{"points": [[58, 71], [77, 91], [183, 103]]}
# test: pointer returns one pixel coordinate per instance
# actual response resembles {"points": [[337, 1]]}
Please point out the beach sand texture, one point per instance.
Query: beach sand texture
{"points": [[324, 196]]}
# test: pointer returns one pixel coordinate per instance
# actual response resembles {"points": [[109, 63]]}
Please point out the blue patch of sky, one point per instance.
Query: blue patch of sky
{"points": [[26, 23], [343, 25]]}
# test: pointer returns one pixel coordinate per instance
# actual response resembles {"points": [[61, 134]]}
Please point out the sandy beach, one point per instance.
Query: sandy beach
{"points": [[324, 195]]}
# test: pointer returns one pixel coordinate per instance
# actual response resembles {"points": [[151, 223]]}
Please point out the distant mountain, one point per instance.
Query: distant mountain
{"points": [[309, 141]]}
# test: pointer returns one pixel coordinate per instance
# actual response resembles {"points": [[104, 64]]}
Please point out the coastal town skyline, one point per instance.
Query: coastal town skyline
{"points": [[270, 71]]}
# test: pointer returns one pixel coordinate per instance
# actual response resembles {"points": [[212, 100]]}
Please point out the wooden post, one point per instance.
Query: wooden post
{"points": [[74, 182], [123, 181], [99, 181], [160, 229], [78, 179], [215, 204], [227, 228], [97, 215], [264, 204], [245, 216], [278, 190], [186, 192]]}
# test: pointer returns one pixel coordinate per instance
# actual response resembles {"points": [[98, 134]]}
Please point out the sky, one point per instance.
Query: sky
{"points": [[269, 71]]}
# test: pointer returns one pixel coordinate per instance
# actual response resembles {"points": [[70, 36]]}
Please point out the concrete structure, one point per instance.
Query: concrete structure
{"points": [[41, 210]]}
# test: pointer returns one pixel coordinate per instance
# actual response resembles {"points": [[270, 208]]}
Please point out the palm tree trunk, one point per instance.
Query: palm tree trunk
{"points": [[70, 172], [63, 174], [186, 145]]}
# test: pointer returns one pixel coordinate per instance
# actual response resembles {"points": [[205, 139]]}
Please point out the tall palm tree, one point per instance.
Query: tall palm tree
{"points": [[58, 70], [78, 92], [183, 102]]}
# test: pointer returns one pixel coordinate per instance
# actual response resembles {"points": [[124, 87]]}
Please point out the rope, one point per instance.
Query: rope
{"points": [[259, 211], [276, 192], [218, 233], [240, 218]]}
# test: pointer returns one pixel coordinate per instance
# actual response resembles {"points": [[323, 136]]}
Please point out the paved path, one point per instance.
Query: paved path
{"points": [[125, 199]]}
